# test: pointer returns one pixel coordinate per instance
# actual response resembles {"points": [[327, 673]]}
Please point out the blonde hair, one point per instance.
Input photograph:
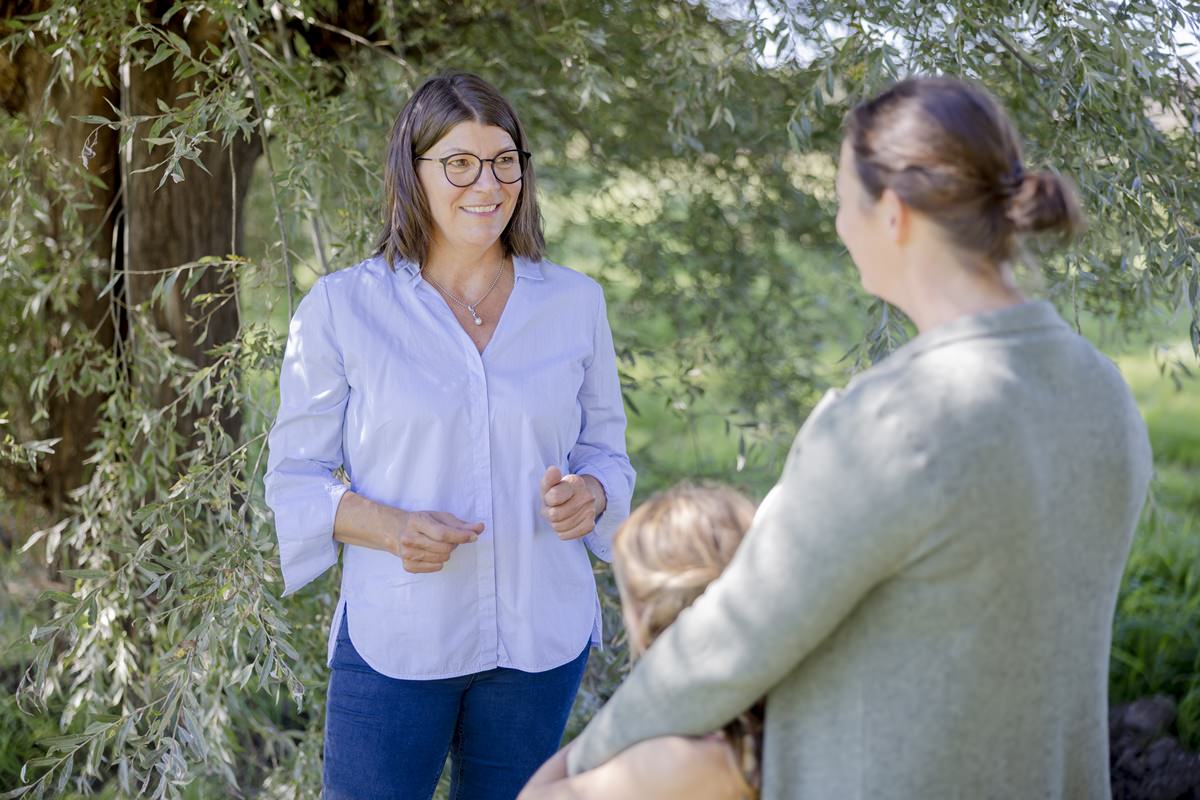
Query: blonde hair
{"points": [[664, 556]]}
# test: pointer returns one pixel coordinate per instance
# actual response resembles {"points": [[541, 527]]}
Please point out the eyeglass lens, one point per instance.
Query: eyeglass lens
{"points": [[463, 169]]}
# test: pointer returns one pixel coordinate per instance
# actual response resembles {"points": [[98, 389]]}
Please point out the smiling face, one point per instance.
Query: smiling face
{"points": [[468, 217]]}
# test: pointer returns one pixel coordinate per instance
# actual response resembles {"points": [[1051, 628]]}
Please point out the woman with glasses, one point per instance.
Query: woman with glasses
{"points": [[468, 389]]}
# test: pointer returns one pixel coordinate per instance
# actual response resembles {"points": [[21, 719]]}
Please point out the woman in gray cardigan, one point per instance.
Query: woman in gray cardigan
{"points": [[926, 596]]}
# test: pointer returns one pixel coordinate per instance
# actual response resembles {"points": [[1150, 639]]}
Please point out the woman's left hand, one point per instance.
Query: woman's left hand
{"points": [[571, 503]]}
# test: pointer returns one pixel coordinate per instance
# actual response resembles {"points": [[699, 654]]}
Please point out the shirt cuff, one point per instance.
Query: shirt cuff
{"points": [[616, 509], [303, 559]]}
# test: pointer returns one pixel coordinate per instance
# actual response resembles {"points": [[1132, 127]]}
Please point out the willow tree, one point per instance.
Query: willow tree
{"points": [[686, 153]]}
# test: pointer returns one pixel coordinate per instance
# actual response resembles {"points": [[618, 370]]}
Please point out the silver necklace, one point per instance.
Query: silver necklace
{"points": [[469, 306]]}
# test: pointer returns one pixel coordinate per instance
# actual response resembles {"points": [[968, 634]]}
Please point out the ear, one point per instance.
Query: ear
{"points": [[896, 216]]}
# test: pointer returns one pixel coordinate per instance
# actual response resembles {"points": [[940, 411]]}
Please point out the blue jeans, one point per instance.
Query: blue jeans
{"points": [[387, 738]]}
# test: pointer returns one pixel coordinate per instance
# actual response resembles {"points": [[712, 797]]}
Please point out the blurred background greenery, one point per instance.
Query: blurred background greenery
{"points": [[179, 173]]}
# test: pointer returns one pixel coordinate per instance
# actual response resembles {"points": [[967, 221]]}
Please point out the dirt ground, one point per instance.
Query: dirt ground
{"points": [[1146, 761]]}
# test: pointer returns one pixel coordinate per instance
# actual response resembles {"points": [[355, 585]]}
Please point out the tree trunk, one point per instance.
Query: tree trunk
{"points": [[179, 223], [166, 227], [72, 417]]}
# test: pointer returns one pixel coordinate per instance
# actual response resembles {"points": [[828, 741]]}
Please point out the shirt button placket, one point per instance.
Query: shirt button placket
{"points": [[489, 639]]}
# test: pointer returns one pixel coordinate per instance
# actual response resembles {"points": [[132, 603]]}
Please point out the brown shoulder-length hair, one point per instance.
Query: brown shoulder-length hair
{"points": [[439, 104], [948, 150]]}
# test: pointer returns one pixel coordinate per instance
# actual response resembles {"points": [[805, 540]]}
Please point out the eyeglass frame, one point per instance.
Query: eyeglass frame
{"points": [[479, 173]]}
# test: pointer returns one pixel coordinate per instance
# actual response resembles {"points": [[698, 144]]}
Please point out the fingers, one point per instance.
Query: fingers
{"points": [[442, 527], [582, 525], [417, 545], [429, 537], [424, 555], [568, 514], [551, 478], [574, 518], [568, 504], [421, 566], [454, 536], [566, 488], [449, 520]]}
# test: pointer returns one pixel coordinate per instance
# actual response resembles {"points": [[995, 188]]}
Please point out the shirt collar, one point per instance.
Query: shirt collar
{"points": [[1029, 316], [410, 269], [522, 268]]}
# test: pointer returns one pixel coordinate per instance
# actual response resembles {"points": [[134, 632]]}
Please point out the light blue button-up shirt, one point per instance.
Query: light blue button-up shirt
{"points": [[380, 378]]}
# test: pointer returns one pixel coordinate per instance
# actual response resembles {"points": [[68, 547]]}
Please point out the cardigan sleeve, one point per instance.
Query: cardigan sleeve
{"points": [[305, 443], [854, 500]]}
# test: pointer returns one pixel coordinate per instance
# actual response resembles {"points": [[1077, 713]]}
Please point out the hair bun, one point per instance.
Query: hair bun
{"points": [[1045, 201]]}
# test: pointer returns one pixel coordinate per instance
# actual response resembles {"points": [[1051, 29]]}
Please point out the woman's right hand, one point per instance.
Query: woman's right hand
{"points": [[424, 540]]}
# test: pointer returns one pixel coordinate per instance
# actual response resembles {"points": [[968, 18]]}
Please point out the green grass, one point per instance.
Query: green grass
{"points": [[1169, 403], [1156, 641], [1156, 634]]}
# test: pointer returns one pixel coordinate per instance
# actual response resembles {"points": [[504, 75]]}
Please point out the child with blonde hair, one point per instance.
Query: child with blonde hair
{"points": [[664, 556]]}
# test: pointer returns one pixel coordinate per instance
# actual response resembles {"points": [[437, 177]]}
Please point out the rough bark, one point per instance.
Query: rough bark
{"points": [[179, 223], [166, 227], [23, 82]]}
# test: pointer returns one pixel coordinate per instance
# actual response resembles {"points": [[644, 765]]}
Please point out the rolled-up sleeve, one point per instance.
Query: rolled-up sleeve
{"points": [[305, 443], [600, 448]]}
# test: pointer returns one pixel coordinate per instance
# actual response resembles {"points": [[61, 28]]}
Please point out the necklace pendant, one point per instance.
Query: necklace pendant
{"points": [[478, 321]]}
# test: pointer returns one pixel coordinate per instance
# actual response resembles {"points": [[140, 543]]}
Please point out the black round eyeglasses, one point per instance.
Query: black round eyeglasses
{"points": [[463, 169]]}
